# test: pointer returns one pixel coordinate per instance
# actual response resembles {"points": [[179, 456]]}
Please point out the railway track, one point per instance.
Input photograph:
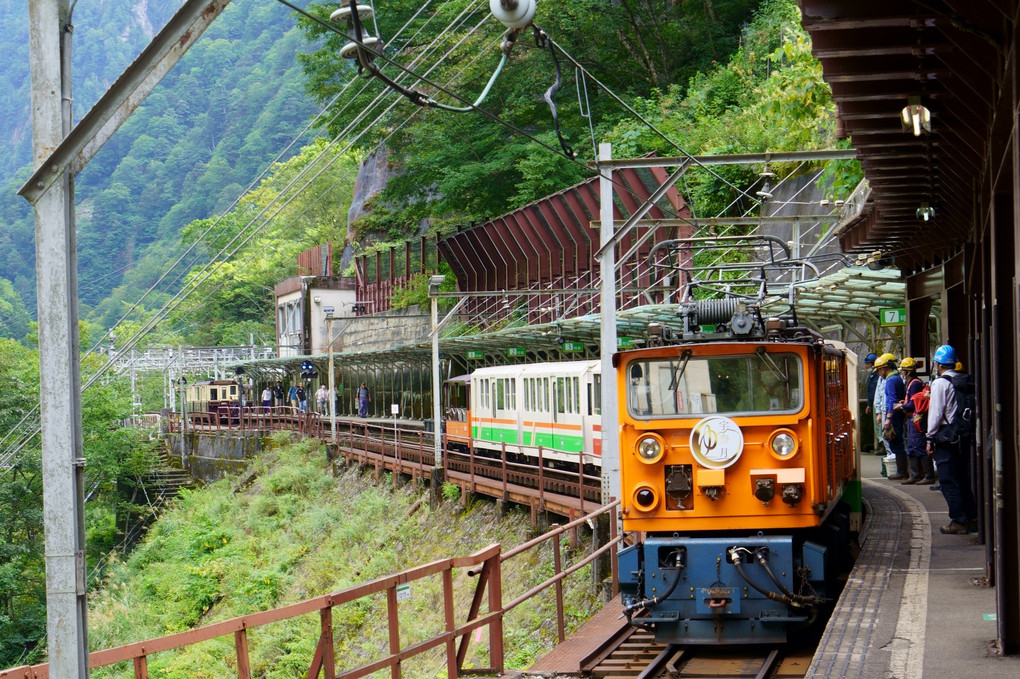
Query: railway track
{"points": [[634, 654]]}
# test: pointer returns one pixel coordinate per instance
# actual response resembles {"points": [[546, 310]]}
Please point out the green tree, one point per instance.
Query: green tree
{"points": [[14, 317], [468, 166]]}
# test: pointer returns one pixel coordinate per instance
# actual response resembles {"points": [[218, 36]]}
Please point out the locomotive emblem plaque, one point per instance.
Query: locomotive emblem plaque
{"points": [[716, 442]]}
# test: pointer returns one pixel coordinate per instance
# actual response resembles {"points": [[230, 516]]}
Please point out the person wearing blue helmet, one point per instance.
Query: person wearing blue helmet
{"points": [[869, 366], [950, 457]]}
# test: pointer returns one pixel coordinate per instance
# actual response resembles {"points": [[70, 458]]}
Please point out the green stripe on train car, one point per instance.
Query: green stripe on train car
{"points": [[498, 435], [564, 442]]}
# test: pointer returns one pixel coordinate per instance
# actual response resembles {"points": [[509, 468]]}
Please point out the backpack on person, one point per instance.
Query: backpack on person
{"points": [[964, 422], [921, 401]]}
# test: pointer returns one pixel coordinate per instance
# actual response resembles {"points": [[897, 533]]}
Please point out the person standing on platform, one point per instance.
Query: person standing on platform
{"points": [[921, 468], [869, 409], [892, 428], [950, 455], [292, 396], [267, 399], [878, 408], [364, 397], [302, 399], [321, 396]]}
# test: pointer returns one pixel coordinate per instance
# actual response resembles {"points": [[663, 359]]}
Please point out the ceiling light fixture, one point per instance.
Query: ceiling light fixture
{"points": [[915, 117], [925, 212]]}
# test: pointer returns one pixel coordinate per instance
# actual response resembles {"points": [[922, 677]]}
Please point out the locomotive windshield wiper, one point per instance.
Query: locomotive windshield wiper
{"points": [[685, 356], [770, 363]]}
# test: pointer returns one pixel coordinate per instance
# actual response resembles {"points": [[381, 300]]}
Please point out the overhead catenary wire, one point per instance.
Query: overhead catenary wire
{"points": [[410, 73], [513, 128], [174, 303]]}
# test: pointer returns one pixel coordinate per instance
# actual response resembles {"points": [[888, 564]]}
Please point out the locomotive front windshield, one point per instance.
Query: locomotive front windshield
{"points": [[687, 385]]}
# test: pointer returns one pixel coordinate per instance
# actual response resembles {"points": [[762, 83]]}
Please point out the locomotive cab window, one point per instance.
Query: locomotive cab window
{"points": [[747, 384]]}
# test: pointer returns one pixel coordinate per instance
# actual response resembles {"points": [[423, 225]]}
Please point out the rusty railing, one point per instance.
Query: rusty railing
{"points": [[485, 563]]}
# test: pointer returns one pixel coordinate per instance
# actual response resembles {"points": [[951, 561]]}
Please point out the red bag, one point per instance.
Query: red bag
{"points": [[921, 400]]}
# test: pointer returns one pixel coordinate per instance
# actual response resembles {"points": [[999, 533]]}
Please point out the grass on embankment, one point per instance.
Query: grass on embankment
{"points": [[298, 532]]}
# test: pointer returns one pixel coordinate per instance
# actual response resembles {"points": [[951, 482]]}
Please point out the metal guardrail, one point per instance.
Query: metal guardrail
{"points": [[486, 564]]}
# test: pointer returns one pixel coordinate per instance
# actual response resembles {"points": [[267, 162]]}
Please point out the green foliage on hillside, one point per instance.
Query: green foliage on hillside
{"points": [[255, 246], [115, 458], [470, 165], [14, 317], [232, 103], [769, 96], [297, 533]]}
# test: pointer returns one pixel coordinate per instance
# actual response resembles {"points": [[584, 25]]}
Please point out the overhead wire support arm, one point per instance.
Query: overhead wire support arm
{"points": [[364, 49]]}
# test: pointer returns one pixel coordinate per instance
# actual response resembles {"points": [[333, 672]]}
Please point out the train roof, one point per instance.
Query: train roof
{"points": [[558, 367]]}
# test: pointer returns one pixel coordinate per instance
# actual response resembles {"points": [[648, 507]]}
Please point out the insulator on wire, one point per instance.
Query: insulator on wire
{"points": [[370, 45], [513, 13]]}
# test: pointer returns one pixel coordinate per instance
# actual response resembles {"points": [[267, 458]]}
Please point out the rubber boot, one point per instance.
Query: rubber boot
{"points": [[929, 471], [915, 472], [901, 467]]}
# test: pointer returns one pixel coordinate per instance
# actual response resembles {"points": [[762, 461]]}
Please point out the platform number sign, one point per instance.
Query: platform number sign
{"points": [[572, 347], [516, 352], [891, 317]]}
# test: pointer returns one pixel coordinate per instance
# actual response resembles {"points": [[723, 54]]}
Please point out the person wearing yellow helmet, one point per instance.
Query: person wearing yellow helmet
{"points": [[878, 405], [892, 427], [921, 470]]}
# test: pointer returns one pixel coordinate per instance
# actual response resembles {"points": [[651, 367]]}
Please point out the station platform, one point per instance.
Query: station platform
{"points": [[917, 604]]}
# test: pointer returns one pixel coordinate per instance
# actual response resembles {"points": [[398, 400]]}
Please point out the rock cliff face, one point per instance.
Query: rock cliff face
{"points": [[372, 177], [375, 171]]}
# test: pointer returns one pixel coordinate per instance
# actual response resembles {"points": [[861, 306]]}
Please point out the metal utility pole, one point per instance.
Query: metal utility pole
{"points": [[438, 471], [59, 374], [607, 269], [332, 381], [60, 149]]}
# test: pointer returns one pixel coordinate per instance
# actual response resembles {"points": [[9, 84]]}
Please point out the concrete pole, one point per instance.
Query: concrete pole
{"points": [[332, 385], [438, 472], [607, 268], [59, 367]]}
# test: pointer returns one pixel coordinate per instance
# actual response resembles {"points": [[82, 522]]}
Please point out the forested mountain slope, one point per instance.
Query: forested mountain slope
{"points": [[233, 103]]}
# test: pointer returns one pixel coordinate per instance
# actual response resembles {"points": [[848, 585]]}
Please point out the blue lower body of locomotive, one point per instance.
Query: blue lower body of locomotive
{"points": [[712, 603]]}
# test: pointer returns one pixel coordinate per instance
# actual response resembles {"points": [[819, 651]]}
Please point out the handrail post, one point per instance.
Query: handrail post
{"points": [[396, 456], [451, 624], [580, 477], [496, 604], [393, 624], [557, 569], [613, 534], [502, 456], [328, 660], [471, 466], [541, 478], [241, 645]]}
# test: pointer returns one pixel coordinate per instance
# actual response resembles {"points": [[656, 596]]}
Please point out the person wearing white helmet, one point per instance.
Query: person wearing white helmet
{"points": [[951, 457]]}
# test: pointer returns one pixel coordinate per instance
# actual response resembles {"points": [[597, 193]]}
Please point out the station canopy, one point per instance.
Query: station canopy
{"points": [[850, 297]]}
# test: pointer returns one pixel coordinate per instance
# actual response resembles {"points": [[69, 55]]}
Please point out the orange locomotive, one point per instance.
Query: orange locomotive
{"points": [[738, 476]]}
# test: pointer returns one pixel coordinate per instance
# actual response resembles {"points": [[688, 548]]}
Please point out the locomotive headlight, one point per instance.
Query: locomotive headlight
{"points": [[783, 444], [650, 448], [645, 497]]}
